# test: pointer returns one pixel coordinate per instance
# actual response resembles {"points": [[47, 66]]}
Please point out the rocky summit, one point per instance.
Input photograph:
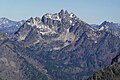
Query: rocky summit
{"points": [[57, 46]]}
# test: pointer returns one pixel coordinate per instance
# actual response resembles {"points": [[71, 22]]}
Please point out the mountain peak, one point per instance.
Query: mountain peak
{"points": [[62, 26], [62, 11], [62, 16], [4, 20], [66, 12], [106, 22], [73, 47], [33, 21], [110, 24]]}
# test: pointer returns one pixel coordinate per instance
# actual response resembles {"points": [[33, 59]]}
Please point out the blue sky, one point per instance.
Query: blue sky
{"points": [[91, 11]]}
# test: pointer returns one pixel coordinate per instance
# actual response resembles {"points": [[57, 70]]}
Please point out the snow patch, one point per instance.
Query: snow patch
{"points": [[71, 15], [102, 28], [53, 16], [70, 21]]}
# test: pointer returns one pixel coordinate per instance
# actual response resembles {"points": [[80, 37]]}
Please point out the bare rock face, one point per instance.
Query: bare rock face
{"points": [[59, 46]]}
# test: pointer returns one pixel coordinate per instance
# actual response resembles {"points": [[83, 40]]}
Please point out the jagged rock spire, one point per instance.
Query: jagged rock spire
{"points": [[61, 13], [66, 12]]}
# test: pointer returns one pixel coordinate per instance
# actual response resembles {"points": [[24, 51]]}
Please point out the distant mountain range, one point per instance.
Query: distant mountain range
{"points": [[57, 46], [9, 26], [111, 27]]}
